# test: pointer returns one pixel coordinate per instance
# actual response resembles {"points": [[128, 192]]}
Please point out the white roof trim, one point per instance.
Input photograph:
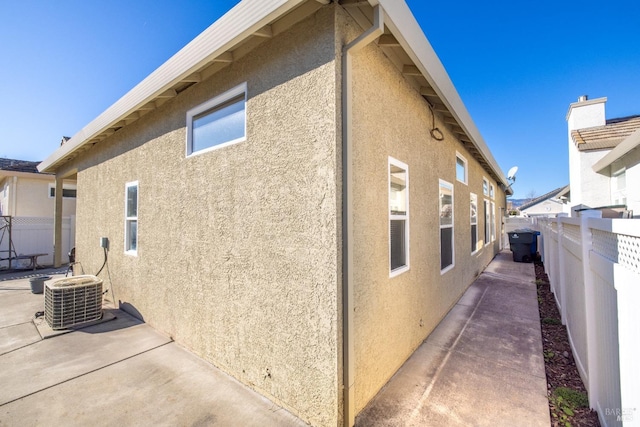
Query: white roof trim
{"points": [[627, 144], [237, 24], [409, 34]]}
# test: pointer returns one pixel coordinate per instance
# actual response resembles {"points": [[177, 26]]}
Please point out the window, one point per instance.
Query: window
{"points": [[485, 186], [493, 221], [398, 217], [487, 223], [131, 218], [68, 192], [446, 226], [618, 185], [474, 223], [461, 168], [219, 122], [491, 191]]}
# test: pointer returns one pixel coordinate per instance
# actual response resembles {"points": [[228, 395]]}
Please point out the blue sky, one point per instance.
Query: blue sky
{"points": [[516, 65]]}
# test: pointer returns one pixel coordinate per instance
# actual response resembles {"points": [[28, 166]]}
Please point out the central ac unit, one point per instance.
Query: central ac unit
{"points": [[72, 301]]}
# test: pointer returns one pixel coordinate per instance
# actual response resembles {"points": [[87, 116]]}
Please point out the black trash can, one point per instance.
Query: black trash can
{"points": [[524, 244], [37, 284]]}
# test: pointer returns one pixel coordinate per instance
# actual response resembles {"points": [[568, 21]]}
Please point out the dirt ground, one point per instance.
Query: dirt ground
{"points": [[559, 363]]}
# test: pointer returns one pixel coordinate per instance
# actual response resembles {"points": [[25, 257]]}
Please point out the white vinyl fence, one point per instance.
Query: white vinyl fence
{"points": [[34, 235], [593, 265]]}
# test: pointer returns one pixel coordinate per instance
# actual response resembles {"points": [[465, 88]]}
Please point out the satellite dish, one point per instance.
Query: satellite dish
{"points": [[512, 173]]}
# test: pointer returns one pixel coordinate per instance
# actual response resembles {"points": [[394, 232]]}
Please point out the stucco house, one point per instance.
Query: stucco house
{"points": [[603, 158], [27, 196], [331, 198], [550, 204]]}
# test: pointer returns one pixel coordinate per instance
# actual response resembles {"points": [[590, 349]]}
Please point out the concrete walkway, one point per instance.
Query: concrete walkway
{"points": [[482, 365], [117, 373]]}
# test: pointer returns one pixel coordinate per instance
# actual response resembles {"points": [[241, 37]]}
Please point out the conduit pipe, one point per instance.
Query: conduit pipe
{"points": [[347, 212]]}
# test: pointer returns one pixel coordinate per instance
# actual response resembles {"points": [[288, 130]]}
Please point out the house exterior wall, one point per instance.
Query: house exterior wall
{"points": [[394, 315], [546, 208], [31, 198], [631, 163], [238, 248], [595, 188]]}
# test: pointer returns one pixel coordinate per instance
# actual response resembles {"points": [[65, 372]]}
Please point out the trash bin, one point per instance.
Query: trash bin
{"points": [[37, 284], [524, 244]]}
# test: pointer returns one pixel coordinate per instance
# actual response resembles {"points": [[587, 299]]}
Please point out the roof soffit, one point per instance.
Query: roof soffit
{"points": [[213, 49]]}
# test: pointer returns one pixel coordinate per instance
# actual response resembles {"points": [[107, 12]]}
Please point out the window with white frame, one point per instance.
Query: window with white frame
{"points": [[398, 217], [474, 223], [68, 191], [618, 185], [446, 226], [493, 221], [487, 223], [492, 192], [485, 186], [218, 122], [461, 168], [131, 218]]}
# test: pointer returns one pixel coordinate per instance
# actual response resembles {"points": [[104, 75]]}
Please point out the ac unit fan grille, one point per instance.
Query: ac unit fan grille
{"points": [[73, 301]]}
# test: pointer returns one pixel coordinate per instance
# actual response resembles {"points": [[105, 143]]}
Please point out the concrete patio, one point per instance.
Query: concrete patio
{"points": [[482, 366]]}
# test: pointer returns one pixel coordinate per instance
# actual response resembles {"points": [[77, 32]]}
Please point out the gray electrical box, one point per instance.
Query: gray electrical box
{"points": [[104, 242]]}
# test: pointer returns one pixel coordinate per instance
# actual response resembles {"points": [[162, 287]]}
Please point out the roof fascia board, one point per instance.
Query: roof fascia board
{"points": [[415, 43], [237, 24], [628, 144], [30, 175]]}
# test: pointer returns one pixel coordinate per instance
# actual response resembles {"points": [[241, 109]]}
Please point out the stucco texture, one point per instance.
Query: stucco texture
{"points": [[394, 315], [238, 252], [32, 198]]}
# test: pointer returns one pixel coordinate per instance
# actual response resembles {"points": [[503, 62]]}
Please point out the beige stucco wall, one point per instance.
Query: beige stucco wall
{"points": [[394, 315], [32, 197], [238, 248]]}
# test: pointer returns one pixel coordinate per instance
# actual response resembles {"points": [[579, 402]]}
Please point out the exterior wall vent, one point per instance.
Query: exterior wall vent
{"points": [[72, 301]]}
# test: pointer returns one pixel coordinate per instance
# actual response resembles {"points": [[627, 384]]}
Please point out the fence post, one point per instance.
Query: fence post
{"points": [[590, 308], [561, 274]]}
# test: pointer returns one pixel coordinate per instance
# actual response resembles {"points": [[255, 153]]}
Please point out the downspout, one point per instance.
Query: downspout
{"points": [[347, 212]]}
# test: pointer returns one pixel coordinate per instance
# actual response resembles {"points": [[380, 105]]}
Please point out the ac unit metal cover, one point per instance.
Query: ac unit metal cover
{"points": [[72, 301]]}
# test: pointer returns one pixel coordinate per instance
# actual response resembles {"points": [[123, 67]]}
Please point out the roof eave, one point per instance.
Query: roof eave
{"points": [[236, 25], [628, 144], [415, 43]]}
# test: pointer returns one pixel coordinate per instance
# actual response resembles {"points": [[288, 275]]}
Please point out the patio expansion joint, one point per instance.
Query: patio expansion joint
{"points": [[87, 373]]}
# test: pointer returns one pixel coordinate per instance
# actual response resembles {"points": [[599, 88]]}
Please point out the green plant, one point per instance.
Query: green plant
{"points": [[539, 282], [551, 321], [548, 355], [563, 403], [576, 399]]}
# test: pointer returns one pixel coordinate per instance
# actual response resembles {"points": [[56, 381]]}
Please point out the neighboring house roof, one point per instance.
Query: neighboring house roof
{"points": [[242, 29], [13, 165], [607, 136], [623, 148], [555, 194]]}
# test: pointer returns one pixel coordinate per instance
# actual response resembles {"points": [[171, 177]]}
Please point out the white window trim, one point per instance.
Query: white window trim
{"points": [[399, 270], [492, 191], [64, 187], [487, 221], [493, 222], [127, 218], [442, 183], [209, 105], [466, 168], [485, 181], [475, 197]]}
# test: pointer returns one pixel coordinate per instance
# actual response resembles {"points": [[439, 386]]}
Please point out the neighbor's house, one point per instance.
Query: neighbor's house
{"points": [[603, 158], [299, 196], [28, 196], [550, 204]]}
